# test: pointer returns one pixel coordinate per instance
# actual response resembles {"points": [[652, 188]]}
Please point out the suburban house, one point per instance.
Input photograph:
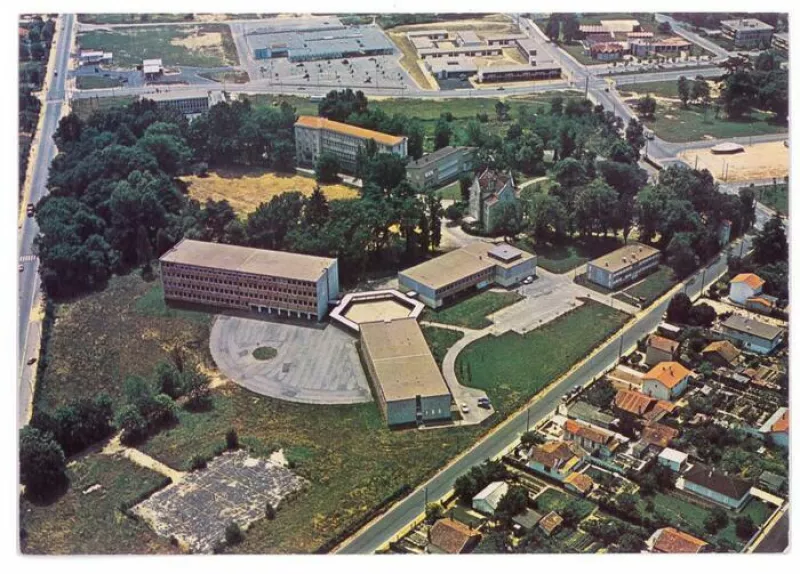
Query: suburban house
{"points": [[556, 459], [448, 536], [580, 483], [715, 485], [594, 440], [657, 436], [747, 32], [660, 349], [776, 427], [666, 381], [623, 265], [764, 304], [550, 523], [721, 353], [752, 334], [444, 165], [487, 499], [744, 286], [589, 413], [624, 377], [526, 521], [638, 406], [674, 460], [669, 540], [489, 192]]}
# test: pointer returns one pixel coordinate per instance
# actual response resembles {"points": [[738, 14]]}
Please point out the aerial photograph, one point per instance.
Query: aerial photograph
{"points": [[391, 283]]}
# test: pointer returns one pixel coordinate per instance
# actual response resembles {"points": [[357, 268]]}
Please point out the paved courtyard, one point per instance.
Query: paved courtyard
{"points": [[316, 364], [234, 488]]}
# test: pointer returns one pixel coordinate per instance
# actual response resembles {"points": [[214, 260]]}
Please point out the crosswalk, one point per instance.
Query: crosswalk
{"points": [[26, 258]]}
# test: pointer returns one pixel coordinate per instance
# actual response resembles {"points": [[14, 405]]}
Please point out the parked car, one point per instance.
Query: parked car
{"points": [[528, 280], [464, 408], [21, 268], [31, 361], [29, 209], [484, 403]]}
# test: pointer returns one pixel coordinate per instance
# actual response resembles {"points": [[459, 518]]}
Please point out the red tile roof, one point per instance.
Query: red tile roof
{"points": [[577, 429], [658, 434], [451, 536], [782, 424], [663, 344], [668, 373], [673, 541], [315, 122], [550, 522], [724, 349], [553, 454], [633, 402], [752, 280], [581, 482]]}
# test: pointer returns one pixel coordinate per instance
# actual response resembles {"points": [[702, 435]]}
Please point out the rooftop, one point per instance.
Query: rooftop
{"points": [[468, 37], [549, 65], [746, 24], [625, 256], [554, 454], [582, 482], [550, 522], [751, 279], [673, 455], [668, 373], [248, 260], [671, 540], [752, 327], [169, 96], [663, 344], [492, 493], [404, 365], [717, 481], [658, 434], [589, 433], [319, 123], [439, 154], [527, 519], [451, 536], [724, 349]]}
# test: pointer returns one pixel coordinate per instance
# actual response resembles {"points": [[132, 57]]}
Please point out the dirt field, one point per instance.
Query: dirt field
{"points": [[245, 189], [758, 161]]}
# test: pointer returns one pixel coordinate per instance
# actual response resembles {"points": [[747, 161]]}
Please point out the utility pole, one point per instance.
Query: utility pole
{"points": [[528, 424], [425, 490], [621, 338], [586, 88], [703, 282]]}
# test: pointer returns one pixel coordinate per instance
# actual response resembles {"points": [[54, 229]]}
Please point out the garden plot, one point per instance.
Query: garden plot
{"points": [[233, 488]]}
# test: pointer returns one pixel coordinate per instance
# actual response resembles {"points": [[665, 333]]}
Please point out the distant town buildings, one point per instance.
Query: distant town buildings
{"points": [[260, 280], [623, 265], [443, 166], [747, 32], [316, 135]]}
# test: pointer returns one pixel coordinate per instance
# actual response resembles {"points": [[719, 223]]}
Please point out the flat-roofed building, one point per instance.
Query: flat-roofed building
{"points": [[467, 38], [188, 102], [747, 32], [621, 26], [408, 385], [431, 34], [152, 68], [260, 280], [519, 72], [88, 57], [444, 165], [643, 47], [474, 266], [503, 39], [528, 48], [319, 44], [456, 51], [444, 69], [623, 265], [751, 334], [315, 136]]}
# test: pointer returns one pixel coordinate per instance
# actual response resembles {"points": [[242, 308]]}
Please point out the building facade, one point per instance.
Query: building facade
{"points": [[487, 194], [747, 32], [623, 266], [315, 136], [744, 286], [752, 335], [660, 349], [712, 484], [519, 73], [189, 103], [440, 167], [251, 279]]}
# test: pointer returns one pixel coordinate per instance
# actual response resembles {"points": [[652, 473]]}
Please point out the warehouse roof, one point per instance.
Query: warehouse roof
{"points": [[625, 256], [404, 365], [752, 327], [248, 260], [318, 123]]}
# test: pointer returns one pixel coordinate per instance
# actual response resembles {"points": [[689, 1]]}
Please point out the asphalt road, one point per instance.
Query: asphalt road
{"points": [[777, 539], [383, 529], [29, 277]]}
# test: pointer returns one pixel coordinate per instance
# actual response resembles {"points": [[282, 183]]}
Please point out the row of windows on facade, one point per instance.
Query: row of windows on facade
{"points": [[236, 279], [243, 289], [466, 280], [194, 296]]}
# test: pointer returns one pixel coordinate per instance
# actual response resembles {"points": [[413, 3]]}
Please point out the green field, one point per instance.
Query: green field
{"points": [[553, 500], [657, 89], [572, 253], [653, 286], [91, 523], [85, 107], [440, 340], [774, 196], [97, 82], [201, 45], [471, 312], [123, 18], [511, 368], [450, 191], [576, 51]]}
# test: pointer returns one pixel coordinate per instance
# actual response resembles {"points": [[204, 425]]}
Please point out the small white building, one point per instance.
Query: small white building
{"points": [[744, 286], [486, 500], [673, 459], [666, 381]]}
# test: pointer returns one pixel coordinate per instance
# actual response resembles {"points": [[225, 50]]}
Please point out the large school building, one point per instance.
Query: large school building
{"points": [[229, 276], [623, 265]]}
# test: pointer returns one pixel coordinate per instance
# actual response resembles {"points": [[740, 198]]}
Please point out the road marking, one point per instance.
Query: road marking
{"points": [[25, 258]]}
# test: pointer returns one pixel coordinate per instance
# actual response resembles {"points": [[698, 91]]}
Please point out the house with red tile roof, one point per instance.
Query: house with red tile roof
{"points": [[744, 286], [640, 406], [666, 381], [448, 536], [660, 349], [721, 353], [776, 427], [671, 541], [556, 459], [594, 440]]}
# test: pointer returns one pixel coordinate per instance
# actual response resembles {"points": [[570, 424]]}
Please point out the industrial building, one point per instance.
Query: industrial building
{"points": [[189, 102], [747, 32], [624, 265], [315, 136], [440, 167], [475, 266], [333, 41], [407, 383], [519, 73], [245, 278], [152, 68]]}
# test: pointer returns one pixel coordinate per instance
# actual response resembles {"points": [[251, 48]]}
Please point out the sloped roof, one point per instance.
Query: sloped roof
{"points": [[492, 493], [752, 280], [587, 432], [633, 402], [782, 424], [550, 522], [582, 482], [752, 327], [717, 481], [658, 434], [672, 540], [724, 349], [315, 122], [553, 454], [663, 344], [451, 536], [668, 373]]}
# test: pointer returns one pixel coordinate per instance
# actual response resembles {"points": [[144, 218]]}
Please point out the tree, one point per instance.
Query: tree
{"points": [[466, 487], [679, 309], [317, 209], [684, 90], [630, 543], [416, 139], [738, 93], [531, 438], [626, 505], [442, 134], [681, 255], [144, 252], [570, 28], [716, 520], [546, 215], [464, 183], [701, 91], [327, 168], [745, 527], [454, 211], [570, 173], [512, 503], [634, 135], [233, 534], [269, 512], [168, 379], [501, 109], [553, 27], [433, 512], [647, 106], [664, 28], [231, 439], [42, 463], [508, 221], [702, 315], [770, 244]]}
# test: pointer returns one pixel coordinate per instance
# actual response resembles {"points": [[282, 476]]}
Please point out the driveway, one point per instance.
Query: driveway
{"points": [[314, 364]]}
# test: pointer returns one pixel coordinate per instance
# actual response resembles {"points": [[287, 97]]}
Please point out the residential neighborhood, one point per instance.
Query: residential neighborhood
{"points": [[403, 283]]}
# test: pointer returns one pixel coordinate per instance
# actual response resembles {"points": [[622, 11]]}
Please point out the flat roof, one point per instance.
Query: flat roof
{"points": [[441, 153], [752, 327], [746, 24], [248, 260], [458, 65], [404, 365], [183, 94], [518, 68], [318, 123], [624, 256], [468, 36]]}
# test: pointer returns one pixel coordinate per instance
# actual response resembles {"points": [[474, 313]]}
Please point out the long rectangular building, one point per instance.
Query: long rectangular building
{"points": [[440, 167], [519, 73], [315, 136], [408, 385], [188, 102], [474, 266], [624, 265], [252, 279]]}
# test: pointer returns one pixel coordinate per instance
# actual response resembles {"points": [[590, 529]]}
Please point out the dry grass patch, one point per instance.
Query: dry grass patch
{"points": [[757, 161], [246, 188]]}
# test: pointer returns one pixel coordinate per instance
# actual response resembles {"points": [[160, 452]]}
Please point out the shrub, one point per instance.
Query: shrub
{"points": [[232, 439], [270, 512], [41, 461], [198, 462], [233, 534], [132, 424]]}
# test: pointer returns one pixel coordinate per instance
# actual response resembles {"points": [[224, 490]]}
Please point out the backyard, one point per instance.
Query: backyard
{"points": [[450, 191], [569, 254], [200, 45], [498, 366], [472, 311]]}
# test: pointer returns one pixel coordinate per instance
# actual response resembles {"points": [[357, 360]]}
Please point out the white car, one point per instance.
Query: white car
{"points": [[528, 280], [464, 408]]}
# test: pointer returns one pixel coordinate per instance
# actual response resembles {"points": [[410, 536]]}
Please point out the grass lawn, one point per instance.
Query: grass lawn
{"points": [[472, 311], [91, 523], [657, 89], [554, 500], [572, 253], [123, 18], [774, 196], [85, 107], [512, 367], [440, 340], [246, 188], [450, 191], [97, 82], [201, 45], [653, 286], [576, 51], [231, 77]]}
